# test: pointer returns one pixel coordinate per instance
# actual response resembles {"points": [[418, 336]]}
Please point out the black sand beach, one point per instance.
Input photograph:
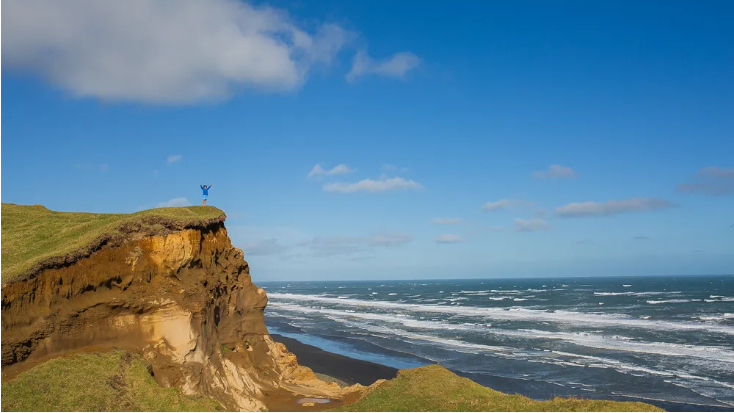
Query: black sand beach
{"points": [[341, 367]]}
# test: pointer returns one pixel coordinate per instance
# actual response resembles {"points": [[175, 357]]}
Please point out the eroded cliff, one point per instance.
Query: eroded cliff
{"points": [[183, 298]]}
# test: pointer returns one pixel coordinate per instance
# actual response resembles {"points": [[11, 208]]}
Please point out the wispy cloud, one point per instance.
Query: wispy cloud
{"points": [[503, 204], [173, 158], [104, 167], [591, 209], [264, 247], [449, 239], [175, 202], [711, 181], [192, 50], [345, 245], [396, 66], [555, 171], [373, 186], [446, 221], [530, 225], [340, 169]]}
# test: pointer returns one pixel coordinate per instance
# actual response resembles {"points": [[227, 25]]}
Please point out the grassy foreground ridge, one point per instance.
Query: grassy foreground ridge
{"points": [[113, 381], [435, 389], [34, 234]]}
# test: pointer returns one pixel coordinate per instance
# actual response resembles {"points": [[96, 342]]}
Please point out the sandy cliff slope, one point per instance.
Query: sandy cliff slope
{"points": [[181, 295]]}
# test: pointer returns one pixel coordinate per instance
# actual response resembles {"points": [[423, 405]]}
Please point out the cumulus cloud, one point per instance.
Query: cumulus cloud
{"points": [[446, 221], [337, 170], [396, 66], [711, 181], [502, 204], [530, 225], [590, 208], [165, 51], [556, 171], [449, 239], [264, 247], [345, 245], [173, 158], [175, 202], [373, 186]]}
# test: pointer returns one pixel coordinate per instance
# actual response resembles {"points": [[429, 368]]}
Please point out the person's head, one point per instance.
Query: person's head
{"points": [[205, 186]]}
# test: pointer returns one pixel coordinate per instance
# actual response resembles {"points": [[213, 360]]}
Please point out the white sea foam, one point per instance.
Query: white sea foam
{"points": [[716, 317], [643, 293], [716, 296], [519, 299], [500, 298], [393, 294], [627, 285], [668, 301], [520, 314], [548, 356], [607, 342]]}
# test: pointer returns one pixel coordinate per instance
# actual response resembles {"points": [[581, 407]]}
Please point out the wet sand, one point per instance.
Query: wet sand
{"points": [[341, 367]]}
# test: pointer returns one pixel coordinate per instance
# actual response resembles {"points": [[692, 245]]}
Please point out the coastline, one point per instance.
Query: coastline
{"points": [[346, 369], [350, 371]]}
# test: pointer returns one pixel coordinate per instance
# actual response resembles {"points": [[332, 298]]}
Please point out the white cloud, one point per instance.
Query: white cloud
{"points": [[337, 170], [717, 172], [449, 239], [502, 204], [173, 158], [530, 225], [345, 245], [446, 221], [556, 171], [175, 202], [264, 247], [163, 52], [711, 181], [396, 66], [590, 208], [374, 186]]}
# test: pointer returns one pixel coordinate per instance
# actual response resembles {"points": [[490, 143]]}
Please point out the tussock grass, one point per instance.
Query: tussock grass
{"points": [[435, 389], [34, 235], [112, 381]]}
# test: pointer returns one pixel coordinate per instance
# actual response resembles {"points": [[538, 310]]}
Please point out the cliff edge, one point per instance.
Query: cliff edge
{"points": [[165, 283]]}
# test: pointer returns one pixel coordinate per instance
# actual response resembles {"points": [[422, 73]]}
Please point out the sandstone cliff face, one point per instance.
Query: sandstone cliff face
{"points": [[184, 299]]}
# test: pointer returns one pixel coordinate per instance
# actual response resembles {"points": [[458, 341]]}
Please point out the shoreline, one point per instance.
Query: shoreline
{"points": [[351, 371], [347, 369]]}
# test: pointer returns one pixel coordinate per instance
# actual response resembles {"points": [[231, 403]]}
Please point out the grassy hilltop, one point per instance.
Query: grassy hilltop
{"points": [[34, 234], [436, 389]]}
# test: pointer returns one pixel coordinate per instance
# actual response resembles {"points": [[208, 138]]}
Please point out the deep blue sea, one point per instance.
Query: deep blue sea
{"points": [[665, 339]]}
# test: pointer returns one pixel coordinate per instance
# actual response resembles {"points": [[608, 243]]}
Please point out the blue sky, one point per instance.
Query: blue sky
{"points": [[453, 139]]}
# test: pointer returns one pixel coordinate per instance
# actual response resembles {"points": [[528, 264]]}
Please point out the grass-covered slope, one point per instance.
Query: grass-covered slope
{"points": [[435, 389], [113, 381], [34, 236]]}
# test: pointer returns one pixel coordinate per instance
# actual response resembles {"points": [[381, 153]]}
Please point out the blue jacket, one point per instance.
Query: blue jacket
{"points": [[206, 190]]}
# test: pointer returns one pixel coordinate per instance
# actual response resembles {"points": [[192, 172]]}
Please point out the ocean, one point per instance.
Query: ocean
{"points": [[656, 339]]}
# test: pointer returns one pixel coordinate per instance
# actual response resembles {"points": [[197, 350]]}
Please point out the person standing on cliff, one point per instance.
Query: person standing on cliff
{"points": [[205, 189]]}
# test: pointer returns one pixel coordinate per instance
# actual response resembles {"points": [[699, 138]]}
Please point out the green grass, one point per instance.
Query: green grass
{"points": [[433, 388], [33, 234], [113, 381]]}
